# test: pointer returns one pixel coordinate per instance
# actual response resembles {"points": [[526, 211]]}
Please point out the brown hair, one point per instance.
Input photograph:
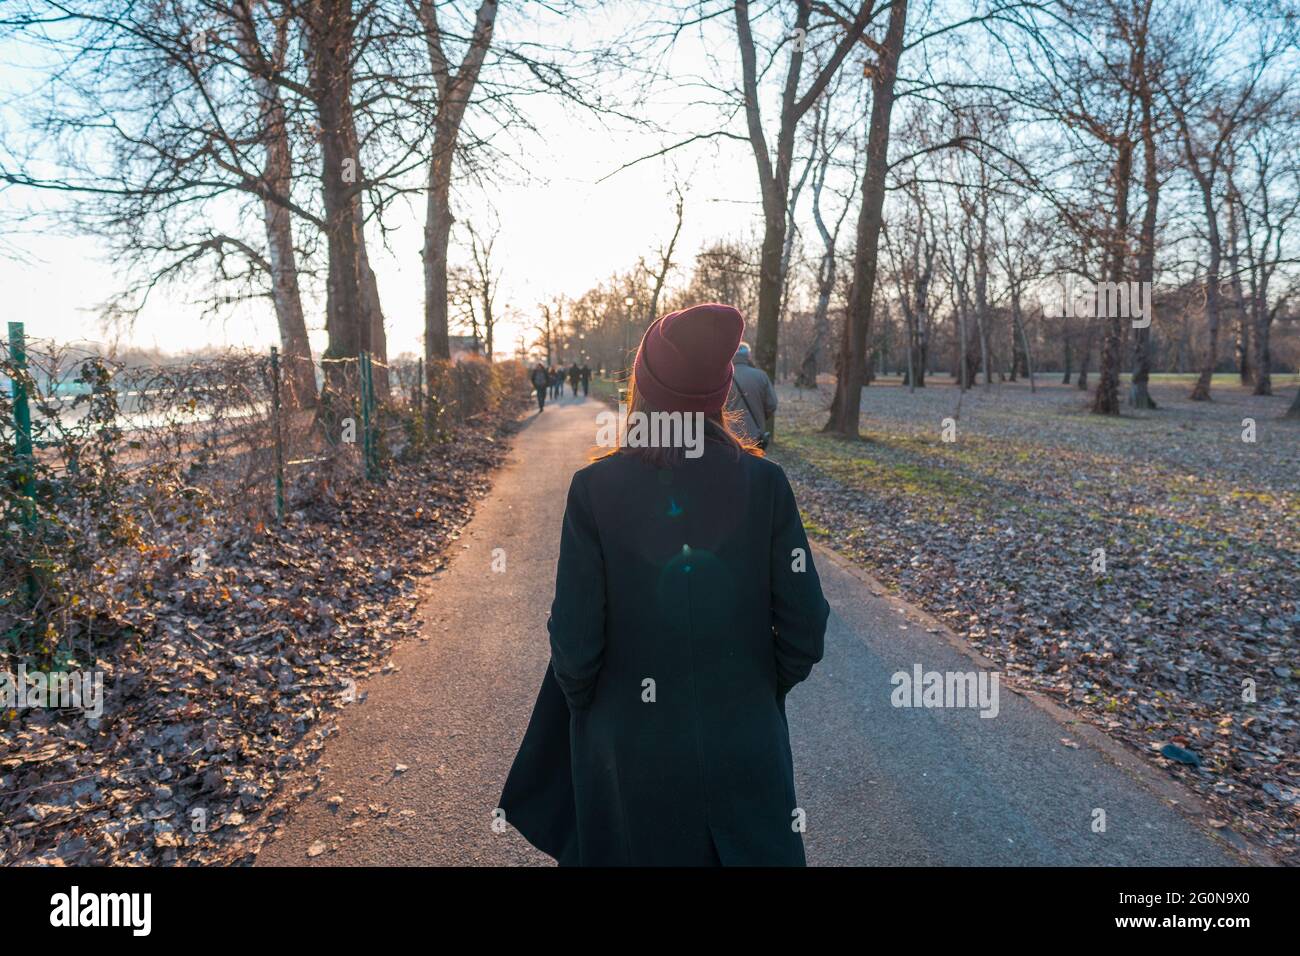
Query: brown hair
{"points": [[719, 426]]}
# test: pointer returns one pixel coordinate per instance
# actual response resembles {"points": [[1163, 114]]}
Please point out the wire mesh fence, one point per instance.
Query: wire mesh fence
{"points": [[113, 476]]}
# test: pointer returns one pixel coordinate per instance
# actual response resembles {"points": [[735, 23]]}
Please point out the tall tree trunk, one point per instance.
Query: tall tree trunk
{"points": [[277, 178], [1086, 358], [372, 311], [923, 357], [1243, 316], [918, 338], [774, 183], [774, 179], [371, 316], [438, 220], [1023, 354], [972, 354], [1105, 401], [1068, 337], [846, 405], [330, 31], [1139, 387], [1213, 293], [1263, 358], [1213, 308], [982, 341], [1017, 358], [983, 318], [787, 247], [961, 367], [808, 368], [453, 98], [299, 369]]}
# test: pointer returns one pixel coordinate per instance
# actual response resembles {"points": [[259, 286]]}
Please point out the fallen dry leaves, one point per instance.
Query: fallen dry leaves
{"points": [[214, 715], [997, 534]]}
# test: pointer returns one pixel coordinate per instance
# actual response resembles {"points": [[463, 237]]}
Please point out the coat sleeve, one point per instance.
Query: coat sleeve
{"points": [[577, 621], [799, 611]]}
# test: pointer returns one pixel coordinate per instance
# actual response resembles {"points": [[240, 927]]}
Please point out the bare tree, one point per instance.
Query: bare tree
{"points": [[551, 329], [483, 280], [1020, 264], [329, 27], [182, 101], [453, 96], [851, 369], [823, 150], [1269, 210], [658, 273], [1146, 70], [277, 181], [1211, 115], [774, 171]]}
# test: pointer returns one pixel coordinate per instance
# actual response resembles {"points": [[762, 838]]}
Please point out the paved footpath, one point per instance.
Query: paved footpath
{"points": [[881, 785]]}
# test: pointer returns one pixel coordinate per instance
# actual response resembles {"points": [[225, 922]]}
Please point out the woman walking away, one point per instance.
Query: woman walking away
{"points": [[686, 608], [540, 380]]}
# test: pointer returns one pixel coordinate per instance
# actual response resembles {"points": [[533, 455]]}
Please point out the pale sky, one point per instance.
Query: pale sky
{"points": [[561, 233]]}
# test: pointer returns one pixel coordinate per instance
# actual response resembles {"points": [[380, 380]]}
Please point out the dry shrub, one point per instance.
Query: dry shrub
{"points": [[472, 386]]}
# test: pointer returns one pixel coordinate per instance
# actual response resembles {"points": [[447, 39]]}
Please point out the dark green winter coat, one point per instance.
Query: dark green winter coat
{"points": [[686, 606]]}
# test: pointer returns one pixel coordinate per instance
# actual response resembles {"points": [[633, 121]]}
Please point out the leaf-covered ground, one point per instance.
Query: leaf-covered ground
{"points": [[998, 533], [213, 714]]}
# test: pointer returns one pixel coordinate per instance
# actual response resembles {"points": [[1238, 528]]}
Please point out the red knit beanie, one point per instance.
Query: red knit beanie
{"points": [[684, 362]]}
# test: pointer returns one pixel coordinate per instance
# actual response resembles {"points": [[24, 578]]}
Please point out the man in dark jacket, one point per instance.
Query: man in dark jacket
{"points": [[574, 374], [585, 372], [541, 380], [753, 396], [686, 607]]}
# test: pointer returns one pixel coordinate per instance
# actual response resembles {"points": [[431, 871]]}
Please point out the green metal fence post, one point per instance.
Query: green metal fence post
{"points": [[23, 439], [375, 425], [374, 416], [363, 367], [22, 412], [428, 401], [372, 424], [277, 434], [419, 386]]}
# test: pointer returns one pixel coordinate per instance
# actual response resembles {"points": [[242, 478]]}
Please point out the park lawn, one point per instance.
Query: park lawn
{"points": [[1220, 379], [1138, 568], [606, 389]]}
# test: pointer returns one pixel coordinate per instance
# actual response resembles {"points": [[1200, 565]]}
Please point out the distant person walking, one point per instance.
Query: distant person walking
{"points": [[585, 372], [541, 380], [574, 374], [686, 608], [753, 397], [557, 382]]}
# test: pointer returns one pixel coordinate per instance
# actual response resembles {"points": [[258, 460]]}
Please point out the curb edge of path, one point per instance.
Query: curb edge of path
{"points": [[1170, 791]]}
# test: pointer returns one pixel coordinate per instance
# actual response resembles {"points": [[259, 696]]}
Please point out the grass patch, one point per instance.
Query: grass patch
{"points": [[606, 389], [814, 529], [893, 465]]}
